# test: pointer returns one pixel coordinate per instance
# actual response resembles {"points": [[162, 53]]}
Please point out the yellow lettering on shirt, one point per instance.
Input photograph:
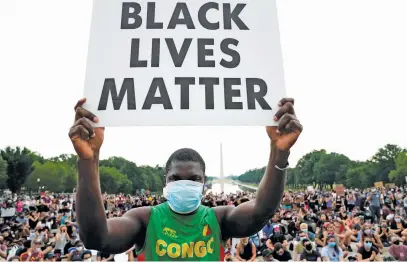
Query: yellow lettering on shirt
{"points": [[191, 249], [160, 252], [200, 249], [174, 250], [208, 246], [188, 250]]}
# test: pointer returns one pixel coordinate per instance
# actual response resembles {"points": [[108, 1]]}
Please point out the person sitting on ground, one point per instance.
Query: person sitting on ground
{"points": [[246, 250], [368, 252], [309, 253], [397, 249], [86, 256], [384, 233], [75, 253], [280, 254], [332, 251], [308, 234], [367, 230], [276, 237], [50, 257]]}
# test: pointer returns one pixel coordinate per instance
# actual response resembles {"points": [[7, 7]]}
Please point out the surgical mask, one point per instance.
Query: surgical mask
{"points": [[368, 244], [302, 238], [88, 260], [332, 244], [397, 220], [373, 189], [183, 196], [367, 231], [38, 249], [79, 249], [304, 230]]}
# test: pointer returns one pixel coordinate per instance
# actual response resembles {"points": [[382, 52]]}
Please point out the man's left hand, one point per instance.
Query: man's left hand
{"points": [[284, 136]]}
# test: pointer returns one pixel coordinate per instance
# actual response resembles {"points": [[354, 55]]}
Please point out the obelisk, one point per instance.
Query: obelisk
{"points": [[222, 186]]}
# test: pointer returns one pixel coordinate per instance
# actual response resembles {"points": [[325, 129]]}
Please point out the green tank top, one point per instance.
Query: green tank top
{"points": [[182, 237]]}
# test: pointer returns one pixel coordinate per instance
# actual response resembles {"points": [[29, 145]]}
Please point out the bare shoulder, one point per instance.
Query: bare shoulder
{"points": [[223, 211], [141, 214]]}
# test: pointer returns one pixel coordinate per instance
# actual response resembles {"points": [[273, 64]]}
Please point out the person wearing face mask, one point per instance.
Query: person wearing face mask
{"points": [[34, 253], [245, 250], [86, 256], [374, 199], [332, 252], [181, 220], [397, 249], [280, 254], [309, 235], [368, 252], [276, 236], [309, 253], [75, 253], [367, 230], [396, 226]]}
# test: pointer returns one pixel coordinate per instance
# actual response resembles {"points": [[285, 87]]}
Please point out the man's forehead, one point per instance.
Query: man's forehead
{"points": [[193, 167]]}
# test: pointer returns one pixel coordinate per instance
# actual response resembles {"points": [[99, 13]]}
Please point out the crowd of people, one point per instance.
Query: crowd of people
{"points": [[311, 225]]}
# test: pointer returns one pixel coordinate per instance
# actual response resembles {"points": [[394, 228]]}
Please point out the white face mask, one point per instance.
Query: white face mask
{"points": [[88, 260]]}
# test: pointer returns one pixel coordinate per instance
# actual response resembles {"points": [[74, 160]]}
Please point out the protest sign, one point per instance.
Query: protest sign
{"points": [[379, 184], [8, 212], [184, 63], [340, 190]]}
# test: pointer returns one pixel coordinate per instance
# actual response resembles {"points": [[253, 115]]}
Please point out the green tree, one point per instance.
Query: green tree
{"points": [[398, 175], [112, 181], [331, 168], [361, 175], [53, 176], [19, 167], [3, 174], [385, 158], [69, 159], [305, 173]]}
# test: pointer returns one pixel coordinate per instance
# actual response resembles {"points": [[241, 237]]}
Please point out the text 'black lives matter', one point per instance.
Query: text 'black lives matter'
{"points": [[181, 16]]}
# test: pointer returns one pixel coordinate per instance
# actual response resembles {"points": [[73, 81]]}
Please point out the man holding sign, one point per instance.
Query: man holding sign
{"points": [[181, 63], [181, 228]]}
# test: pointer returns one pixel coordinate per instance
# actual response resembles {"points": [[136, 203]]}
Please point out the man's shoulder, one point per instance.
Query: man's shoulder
{"points": [[140, 213], [222, 211]]}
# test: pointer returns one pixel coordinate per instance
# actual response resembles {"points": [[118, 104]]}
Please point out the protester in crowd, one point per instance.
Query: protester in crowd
{"points": [[397, 249], [309, 253], [280, 254], [368, 252], [374, 199], [246, 250], [332, 251]]}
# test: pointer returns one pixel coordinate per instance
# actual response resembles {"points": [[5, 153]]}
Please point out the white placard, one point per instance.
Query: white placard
{"points": [[170, 62], [8, 212]]}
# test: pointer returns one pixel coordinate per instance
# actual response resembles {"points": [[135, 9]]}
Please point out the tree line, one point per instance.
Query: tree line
{"points": [[322, 169], [21, 168]]}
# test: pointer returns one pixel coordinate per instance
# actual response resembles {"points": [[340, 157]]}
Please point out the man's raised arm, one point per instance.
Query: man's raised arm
{"points": [[248, 218], [112, 236]]}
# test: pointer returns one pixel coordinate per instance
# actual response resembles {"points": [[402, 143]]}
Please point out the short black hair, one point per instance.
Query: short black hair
{"points": [[185, 155]]}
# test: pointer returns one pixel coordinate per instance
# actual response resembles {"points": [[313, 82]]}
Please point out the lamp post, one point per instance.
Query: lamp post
{"points": [[38, 185]]}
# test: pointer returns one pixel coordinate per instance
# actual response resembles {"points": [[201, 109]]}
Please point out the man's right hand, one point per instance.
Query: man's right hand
{"points": [[85, 139]]}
